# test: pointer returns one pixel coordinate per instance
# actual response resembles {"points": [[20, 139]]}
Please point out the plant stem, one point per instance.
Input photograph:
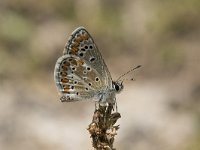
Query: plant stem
{"points": [[102, 128]]}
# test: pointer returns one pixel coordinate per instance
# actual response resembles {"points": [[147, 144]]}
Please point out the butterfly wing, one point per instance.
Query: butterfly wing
{"points": [[81, 44], [81, 73]]}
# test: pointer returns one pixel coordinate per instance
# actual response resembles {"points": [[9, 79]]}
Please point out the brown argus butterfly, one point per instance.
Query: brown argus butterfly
{"points": [[81, 73]]}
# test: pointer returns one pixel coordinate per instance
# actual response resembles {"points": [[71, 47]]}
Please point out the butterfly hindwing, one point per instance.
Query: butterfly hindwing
{"points": [[75, 79]]}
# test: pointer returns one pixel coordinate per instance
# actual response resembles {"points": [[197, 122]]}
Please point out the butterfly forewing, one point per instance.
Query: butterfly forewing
{"points": [[82, 45]]}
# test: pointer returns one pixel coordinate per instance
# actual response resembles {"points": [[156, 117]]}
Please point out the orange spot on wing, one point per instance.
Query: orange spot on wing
{"points": [[86, 36], [64, 80], [80, 62], [66, 64], [74, 49], [73, 52], [64, 67], [74, 62], [76, 44], [78, 39], [66, 89], [63, 73]]}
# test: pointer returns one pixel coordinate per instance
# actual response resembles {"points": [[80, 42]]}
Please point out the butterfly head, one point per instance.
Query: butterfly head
{"points": [[118, 86]]}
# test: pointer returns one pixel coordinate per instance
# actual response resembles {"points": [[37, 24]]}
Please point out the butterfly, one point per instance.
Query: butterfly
{"points": [[81, 73]]}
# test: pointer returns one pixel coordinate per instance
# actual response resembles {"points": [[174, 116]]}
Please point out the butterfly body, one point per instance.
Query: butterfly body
{"points": [[81, 73]]}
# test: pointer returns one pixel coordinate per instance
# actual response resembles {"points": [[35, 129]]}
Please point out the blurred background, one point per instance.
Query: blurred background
{"points": [[160, 110]]}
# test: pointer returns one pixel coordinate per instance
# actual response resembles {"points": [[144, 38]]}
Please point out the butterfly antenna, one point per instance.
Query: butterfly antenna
{"points": [[125, 79], [129, 72]]}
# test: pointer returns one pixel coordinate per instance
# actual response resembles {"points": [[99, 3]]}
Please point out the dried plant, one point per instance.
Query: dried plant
{"points": [[102, 128]]}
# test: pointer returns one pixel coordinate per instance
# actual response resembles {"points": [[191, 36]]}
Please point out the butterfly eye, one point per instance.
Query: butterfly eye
{"points": [[117, 87]]}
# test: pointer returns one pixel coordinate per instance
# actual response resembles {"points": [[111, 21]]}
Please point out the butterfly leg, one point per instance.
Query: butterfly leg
{"points": [[115, 103], [96, 105]]}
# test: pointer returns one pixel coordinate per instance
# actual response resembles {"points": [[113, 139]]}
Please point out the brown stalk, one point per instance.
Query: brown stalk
{"points": [[102, 128]]}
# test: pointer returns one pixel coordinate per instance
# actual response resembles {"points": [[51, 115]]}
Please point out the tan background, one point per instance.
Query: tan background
{"points": [[160, 110]]}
